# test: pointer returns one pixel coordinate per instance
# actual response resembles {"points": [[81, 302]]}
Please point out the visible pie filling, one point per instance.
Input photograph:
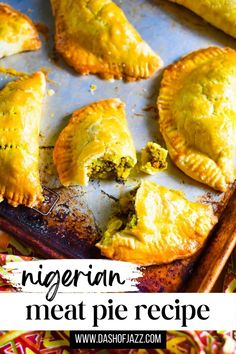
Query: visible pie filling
{"points": [[103, 168], [126, 217], [153, 158], [9, 146], [127, 210]]}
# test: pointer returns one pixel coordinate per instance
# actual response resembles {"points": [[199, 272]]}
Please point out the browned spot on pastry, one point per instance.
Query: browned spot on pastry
{"points": [[43, 29]]}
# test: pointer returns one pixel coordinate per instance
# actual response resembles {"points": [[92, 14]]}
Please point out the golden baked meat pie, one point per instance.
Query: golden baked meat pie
{"points": [[20, 115], [17, 32], [95, 144], [95, 37], [198, 115], [220, 13], [156, 225]]}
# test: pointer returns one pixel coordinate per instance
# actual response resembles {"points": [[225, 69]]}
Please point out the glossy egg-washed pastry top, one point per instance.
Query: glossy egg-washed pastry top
{"points": [[220, 13], [17, 32], [95, 144], [156, 225], [95, 37], [198, 115], [20, 115]]}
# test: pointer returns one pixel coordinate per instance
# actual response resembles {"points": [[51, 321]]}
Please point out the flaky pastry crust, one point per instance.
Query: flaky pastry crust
{"points": [[20, 115], [17, 32], [220, 13], [95, 144], [198, 115], [156, 225], [95, 37]]}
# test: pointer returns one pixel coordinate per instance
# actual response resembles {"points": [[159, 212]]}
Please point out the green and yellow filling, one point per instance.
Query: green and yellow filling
{"points": [[105, 167], [153, 158]]}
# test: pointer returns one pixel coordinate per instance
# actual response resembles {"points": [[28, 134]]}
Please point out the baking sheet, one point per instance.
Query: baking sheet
{"points": [[172, 32]]}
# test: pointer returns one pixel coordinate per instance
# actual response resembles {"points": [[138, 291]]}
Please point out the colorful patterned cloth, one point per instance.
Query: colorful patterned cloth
{"points": [[51, 342]]}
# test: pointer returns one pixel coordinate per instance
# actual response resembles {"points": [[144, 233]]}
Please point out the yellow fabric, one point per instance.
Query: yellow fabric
{"points": [[9, 336]]}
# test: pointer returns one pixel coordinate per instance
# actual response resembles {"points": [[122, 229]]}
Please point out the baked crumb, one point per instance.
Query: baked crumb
{"points": [[51, 92], [153, 158]]}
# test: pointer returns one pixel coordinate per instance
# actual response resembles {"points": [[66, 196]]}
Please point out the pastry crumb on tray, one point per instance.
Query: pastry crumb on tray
{"points": [[153, 158]]}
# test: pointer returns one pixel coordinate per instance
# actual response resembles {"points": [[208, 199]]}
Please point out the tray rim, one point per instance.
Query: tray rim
{"points": [[203, 280]]}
